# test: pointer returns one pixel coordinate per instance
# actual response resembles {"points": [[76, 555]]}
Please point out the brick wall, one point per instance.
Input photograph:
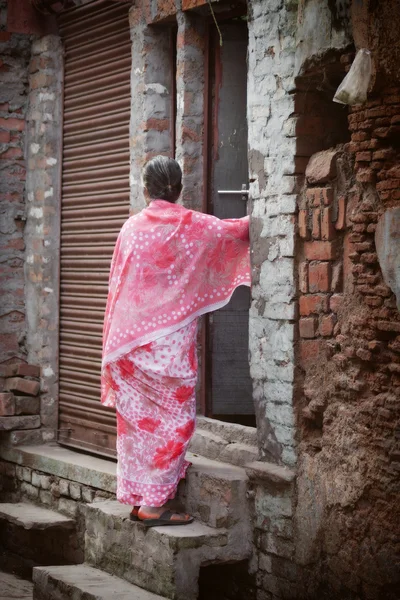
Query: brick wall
{"points": [[347, 514], [42, 231], [15, 52]]}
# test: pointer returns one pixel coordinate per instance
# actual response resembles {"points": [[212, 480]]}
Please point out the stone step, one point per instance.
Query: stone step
{"points": [[83, 582], [214, 492], [211, 445], [230, 432], [164, 560], [38, 534]]}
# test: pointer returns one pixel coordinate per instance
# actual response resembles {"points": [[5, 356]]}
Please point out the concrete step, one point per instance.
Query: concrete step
{"points": [[164, 560], [38, 534], [230, 432], [14, 588], [83, 582], [214, 446], [214, 492]]}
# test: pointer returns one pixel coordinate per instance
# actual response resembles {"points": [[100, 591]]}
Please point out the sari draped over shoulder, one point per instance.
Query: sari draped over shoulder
{"points": [[170, 265]]}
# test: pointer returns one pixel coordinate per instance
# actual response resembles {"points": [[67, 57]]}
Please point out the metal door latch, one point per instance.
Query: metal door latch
{"points": [[243, 192]]}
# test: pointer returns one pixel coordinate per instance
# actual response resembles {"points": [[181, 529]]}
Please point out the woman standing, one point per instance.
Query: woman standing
{"points": [[170, 266]]}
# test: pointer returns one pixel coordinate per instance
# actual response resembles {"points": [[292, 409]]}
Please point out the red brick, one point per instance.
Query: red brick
{"points": [[313, 304], [303, 277], [365, 355], [25, 405], [359, 136], [313, 196], [341, 218], [316, 223], [366, 176], [319, 277], [24, 370], [327, 195], [7, 404], [327, 324], [321, 167], [327, 226], [373, 301], [8, 370], [337, 278], [308, 327], [12, 124], [363, 156], [303, 230], [12, 153], [4, 137], [320, 250], [336, 302], [5, 36], [23, 386], [311, 351]]}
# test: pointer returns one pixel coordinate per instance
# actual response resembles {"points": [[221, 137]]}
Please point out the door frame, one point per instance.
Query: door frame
{"points": [[208, 138]]}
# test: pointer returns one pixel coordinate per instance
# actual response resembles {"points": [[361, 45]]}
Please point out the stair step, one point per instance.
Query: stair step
{"points": [[214, 446], [30, 516], [231, 432], [164, 560], [83, 582], [39, 536], [214, 492]]}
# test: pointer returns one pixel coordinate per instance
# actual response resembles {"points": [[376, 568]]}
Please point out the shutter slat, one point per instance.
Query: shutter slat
{"points": [[95, 204]]}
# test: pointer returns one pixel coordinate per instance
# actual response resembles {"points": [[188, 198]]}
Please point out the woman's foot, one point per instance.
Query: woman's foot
{"points": [[154, 516]]}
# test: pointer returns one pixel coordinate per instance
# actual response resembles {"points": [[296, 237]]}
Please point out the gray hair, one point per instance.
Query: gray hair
{"points": [[162, 178]]}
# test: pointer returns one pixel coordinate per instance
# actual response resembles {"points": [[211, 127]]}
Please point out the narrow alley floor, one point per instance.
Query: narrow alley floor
{"points": [[13, 587]]}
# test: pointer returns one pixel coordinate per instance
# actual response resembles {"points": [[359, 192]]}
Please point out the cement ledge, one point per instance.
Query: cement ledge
{"points": [[53, 459], [266, 471]]}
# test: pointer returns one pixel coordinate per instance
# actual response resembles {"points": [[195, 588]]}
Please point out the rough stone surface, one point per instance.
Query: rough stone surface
{"points": [[164, 560], [83, 582], [387, 241]]}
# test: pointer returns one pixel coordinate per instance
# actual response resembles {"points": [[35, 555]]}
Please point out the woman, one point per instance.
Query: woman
{"points": [[170, 266]]}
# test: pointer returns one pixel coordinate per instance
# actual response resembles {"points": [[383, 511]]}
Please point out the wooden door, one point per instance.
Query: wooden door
{"points": [[229, 388]]}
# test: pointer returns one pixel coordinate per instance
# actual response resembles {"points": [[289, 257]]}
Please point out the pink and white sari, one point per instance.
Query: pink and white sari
{"points": [[170, 266]]}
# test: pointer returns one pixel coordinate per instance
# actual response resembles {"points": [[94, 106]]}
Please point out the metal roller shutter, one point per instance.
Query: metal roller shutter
{"points": [[95, 203]]}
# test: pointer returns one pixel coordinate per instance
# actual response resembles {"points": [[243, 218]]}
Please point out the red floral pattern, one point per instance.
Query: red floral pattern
{"points": [[167, 453], [186, 431], [149, 424], [183, 393], [154, 429]]}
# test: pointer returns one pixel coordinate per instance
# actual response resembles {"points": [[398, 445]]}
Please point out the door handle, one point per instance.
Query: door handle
{"points": [[243, 192]]}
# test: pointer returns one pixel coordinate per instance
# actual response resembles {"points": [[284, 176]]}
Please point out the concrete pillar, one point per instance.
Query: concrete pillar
{"points": [[42, 231]]}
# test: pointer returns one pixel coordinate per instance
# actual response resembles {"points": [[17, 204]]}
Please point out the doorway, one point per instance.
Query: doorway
{"points": [[229, 388]]}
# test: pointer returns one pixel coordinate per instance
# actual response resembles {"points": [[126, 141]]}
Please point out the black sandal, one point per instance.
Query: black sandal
{"points": [[165, 519]]}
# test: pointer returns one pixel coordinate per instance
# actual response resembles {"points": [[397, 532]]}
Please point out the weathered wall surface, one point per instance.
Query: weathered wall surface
{"points": [[15, 50], [42, 231], [347, 512]]}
